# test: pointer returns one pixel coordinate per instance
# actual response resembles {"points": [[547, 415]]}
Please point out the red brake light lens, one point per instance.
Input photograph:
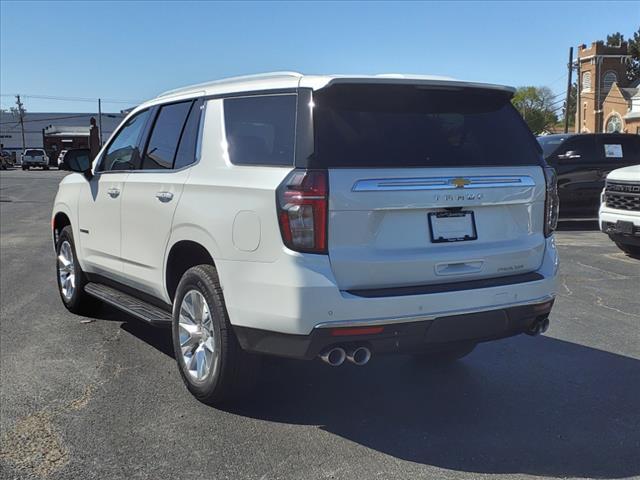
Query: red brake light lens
{"points": [[302, 210]]}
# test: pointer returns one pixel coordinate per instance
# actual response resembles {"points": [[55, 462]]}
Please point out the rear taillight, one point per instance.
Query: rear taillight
{"points": [[552, 201], [302, 210]]}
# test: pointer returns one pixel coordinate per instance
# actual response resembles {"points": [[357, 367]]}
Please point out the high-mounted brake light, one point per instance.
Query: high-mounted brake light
{"points": [[302, 200], [552, 201]]}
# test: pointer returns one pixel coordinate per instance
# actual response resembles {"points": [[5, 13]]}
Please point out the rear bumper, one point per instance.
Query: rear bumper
{"points": [[404, 337], [297, 295]]}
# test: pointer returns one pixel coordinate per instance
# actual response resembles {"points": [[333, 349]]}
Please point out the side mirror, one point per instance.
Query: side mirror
{"points": [[571, 154], [79, 160]]}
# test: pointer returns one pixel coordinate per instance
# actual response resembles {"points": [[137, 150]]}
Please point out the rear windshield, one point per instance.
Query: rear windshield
{"points": [[410, 126], [33, 153]]}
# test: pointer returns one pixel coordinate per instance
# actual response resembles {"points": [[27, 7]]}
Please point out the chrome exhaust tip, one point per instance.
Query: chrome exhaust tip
{"points": [[540, 325], [334, 356], [359, 356], [544, 325]]}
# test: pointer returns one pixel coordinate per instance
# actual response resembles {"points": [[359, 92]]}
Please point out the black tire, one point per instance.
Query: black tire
{"points": [[79, 302], [446, 355], [233, 372], [45, 168], [25, 168], [629, 249]]}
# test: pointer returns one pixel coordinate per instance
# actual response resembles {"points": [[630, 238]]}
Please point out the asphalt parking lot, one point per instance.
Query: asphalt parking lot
{"points": [[102, 398]]}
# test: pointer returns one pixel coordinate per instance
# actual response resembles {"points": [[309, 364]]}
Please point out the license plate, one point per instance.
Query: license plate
{"points": [[624, 227], [452, 226]]}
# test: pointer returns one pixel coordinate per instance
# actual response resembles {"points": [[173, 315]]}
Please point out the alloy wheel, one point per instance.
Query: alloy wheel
{"points": [[197, 336], [66, 270]]}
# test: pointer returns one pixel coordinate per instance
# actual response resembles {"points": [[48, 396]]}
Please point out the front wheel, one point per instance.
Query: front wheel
{"points": [[71, 278], [212, 364]]}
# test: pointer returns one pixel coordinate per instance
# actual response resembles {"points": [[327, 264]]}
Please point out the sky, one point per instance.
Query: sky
{"points": [[127, 52]]}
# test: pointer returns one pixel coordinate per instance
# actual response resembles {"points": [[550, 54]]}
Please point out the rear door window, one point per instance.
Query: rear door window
{"points": [[414, 126], [167, 130], [623, 148], [261, 129]]}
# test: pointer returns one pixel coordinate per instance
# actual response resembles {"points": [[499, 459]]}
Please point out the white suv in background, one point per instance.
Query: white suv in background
{"points": [[329, 217], [620, 208], [35, 157]]}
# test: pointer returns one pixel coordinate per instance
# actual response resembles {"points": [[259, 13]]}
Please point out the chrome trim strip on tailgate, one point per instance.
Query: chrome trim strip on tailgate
{"points": [[421, 318], [442, 183]]}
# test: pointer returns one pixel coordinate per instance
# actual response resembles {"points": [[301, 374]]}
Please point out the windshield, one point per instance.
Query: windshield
{"points": [[412, 126], [550, 143], [34, 153]]}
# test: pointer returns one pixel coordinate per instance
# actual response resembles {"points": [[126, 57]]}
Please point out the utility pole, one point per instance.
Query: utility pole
{"points": [[100, 120], [566, 105], [20, 110], [578, 97]]}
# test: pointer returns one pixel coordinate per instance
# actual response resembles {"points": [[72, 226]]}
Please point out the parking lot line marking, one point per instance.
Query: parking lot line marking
{"points": [[616, 276], [622, 257], [601, 303]]}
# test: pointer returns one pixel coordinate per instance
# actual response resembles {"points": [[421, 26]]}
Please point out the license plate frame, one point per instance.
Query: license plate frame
{"points": [[438, 227]]}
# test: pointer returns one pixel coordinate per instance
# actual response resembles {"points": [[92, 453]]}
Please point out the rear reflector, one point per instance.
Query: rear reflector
{"points": [[343, 332]]}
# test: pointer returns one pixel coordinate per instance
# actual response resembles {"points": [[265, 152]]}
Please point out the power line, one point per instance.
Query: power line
{"points": [[80, 115], [75, 99]]}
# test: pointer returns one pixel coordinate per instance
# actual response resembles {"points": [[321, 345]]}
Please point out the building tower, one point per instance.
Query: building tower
{"points": [[599, 67]]}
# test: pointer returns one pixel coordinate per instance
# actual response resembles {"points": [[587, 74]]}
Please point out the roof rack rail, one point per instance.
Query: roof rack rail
{"points": [[222, 81]]}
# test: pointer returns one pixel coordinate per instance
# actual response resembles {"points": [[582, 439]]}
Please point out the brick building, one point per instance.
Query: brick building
{"points": [[607, 101]]}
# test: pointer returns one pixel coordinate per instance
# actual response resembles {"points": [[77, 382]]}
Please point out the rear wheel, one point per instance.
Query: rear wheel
{"points": [[212, 364], [45, 168], [71, 278], [25, 168], [446, 355]]}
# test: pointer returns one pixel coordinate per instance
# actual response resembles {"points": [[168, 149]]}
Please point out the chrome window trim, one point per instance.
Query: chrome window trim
{"points": [[441, 183], [421, 318]]}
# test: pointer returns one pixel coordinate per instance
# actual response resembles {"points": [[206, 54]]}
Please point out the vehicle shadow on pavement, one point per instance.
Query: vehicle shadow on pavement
{"points": [[538, 406], [158, 338], [581, 225]]}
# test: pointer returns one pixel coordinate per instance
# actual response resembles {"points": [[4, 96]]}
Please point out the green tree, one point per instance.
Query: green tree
{"points": [[633, 45], [615, 39], [535, 104]]}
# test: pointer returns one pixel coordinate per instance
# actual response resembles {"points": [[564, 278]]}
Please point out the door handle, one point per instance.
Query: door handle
{"points": [[164, 197], [113, 192]]}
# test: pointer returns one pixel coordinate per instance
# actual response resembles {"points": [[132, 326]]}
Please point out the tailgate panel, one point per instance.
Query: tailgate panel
{"points": [[379, 232]]}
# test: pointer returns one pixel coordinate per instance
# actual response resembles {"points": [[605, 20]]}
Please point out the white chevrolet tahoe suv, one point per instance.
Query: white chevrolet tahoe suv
{"points": [[620, 208], [330, 217]]}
